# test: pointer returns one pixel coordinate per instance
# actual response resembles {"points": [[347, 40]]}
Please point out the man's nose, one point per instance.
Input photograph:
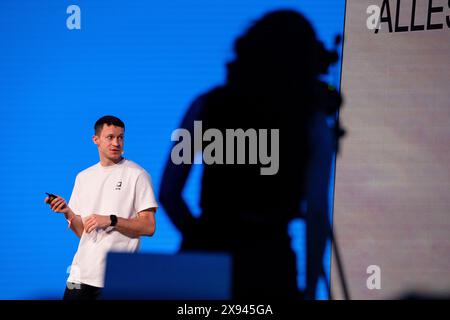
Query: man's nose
{"points": [[116, 142]]}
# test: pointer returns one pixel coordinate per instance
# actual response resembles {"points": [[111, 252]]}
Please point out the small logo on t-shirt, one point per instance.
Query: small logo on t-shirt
{"points": [[118, 185]]}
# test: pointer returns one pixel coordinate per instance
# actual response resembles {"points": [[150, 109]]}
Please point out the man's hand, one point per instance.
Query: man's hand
{"points": [[58, 205], [96, 221]]}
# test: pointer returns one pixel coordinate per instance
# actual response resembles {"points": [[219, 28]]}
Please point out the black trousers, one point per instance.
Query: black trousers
{"points": [[81, 292]]}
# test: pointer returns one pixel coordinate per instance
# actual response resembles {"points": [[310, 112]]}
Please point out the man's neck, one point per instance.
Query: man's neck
{"points": [[109, 162]]}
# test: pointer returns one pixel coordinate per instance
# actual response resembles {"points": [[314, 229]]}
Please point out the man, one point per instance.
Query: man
{"points": [[111, 206]]}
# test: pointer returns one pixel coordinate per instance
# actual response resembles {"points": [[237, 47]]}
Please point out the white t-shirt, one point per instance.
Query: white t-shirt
{"points": [[123, 189]]}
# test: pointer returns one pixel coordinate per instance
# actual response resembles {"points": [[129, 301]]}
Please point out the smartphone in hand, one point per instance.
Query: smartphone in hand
{"points": [[51, 197]]}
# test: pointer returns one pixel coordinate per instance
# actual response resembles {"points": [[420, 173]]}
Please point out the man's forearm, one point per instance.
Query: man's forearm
{"points": [[136, 227], [76, 224]]}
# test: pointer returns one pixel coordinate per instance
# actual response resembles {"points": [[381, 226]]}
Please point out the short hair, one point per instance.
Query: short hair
{"points": [[108, 120]]}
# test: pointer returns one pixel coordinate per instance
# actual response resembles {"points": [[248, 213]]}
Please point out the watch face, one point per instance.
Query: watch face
{"points": [[113, 220]]}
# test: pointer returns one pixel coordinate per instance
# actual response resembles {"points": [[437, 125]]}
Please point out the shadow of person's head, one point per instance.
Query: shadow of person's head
{"points": [[280, 52]]}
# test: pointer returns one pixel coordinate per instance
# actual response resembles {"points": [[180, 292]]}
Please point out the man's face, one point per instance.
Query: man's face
{"points": [[110, 143]]}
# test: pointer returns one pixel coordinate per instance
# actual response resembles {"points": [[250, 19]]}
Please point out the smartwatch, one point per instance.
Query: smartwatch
{"points": [[113, 218]]}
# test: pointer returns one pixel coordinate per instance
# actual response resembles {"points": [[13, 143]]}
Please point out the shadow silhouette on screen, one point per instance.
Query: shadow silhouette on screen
{"points": [[272, 83]]}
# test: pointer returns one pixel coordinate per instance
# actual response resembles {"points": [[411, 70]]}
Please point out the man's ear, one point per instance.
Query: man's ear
{"points": [[95, 139]]}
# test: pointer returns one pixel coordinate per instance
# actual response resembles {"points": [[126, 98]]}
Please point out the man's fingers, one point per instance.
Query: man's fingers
{"points": [[88, 220], [91, 227], [58, 203], [91, 223], [87, 224], [52, 204], [55, 204], [56, 199], [60, 206]]}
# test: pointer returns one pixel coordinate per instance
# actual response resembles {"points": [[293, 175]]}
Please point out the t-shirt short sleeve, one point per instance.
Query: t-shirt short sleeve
{"points": [[144, 194], [74, 202]]}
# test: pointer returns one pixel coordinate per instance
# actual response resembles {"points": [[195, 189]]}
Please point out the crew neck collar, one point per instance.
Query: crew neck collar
{"points": [[118, 164]]}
